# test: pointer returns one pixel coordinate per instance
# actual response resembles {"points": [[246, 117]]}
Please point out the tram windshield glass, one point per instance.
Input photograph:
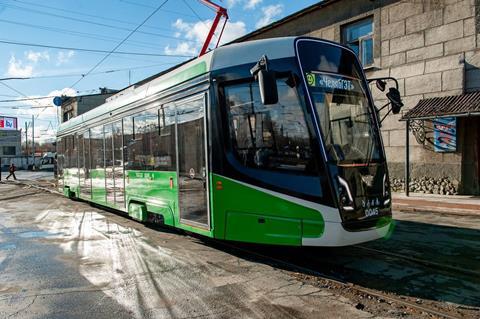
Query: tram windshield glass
{"points": [[346, 118], [272, 137]]}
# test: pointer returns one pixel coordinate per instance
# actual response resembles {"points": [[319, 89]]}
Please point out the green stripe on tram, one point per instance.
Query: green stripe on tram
{"points": [[253, 215], [239, 212]]}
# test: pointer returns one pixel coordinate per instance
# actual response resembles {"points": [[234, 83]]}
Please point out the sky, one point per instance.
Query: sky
{"points": [[29, 30]]}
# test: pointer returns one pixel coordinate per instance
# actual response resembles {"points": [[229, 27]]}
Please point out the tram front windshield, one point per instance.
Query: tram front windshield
{"points": [[345, 117]]}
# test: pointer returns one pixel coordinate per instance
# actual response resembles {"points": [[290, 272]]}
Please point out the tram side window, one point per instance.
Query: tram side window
{"points": [[60, 156], [151, 141], [166, 152], [96, 146], [274, 137], [134, 139], [68, 151], [65, 152], [128, 143], [74, 152], [139, 161]]}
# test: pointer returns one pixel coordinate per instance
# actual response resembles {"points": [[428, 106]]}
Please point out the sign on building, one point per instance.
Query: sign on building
{"points": [[445, 134], [8, 123]]}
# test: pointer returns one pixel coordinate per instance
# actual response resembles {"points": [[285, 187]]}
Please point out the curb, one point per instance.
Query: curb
{"points": [[436, 210]]}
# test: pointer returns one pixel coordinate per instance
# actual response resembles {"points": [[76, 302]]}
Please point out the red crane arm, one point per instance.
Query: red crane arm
{"points": [[221, 12]]}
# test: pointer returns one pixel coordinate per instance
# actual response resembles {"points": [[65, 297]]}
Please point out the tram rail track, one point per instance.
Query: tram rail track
{"points": [[427, 263], [337, 280]]}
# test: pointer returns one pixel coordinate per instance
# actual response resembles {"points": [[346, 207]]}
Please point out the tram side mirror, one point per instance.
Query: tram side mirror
{"points": [[393, 96], [267, 81]]}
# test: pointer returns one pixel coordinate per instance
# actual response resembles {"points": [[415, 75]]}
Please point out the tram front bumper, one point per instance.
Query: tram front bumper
{"points": [[335, 235]]}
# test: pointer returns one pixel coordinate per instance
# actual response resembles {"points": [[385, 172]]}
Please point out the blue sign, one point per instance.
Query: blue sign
{"points": [[445, 135], [57, 101]]}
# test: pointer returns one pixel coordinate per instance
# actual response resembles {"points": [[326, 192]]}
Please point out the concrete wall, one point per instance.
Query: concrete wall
{"points": [[430, 46], [11, 139]]}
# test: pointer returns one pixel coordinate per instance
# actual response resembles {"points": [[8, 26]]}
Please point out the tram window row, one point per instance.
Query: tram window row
{"points": [[144, 141]]}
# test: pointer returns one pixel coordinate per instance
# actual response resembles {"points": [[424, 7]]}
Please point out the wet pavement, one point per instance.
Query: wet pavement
{"points": [[428, 256], [66, 259]]}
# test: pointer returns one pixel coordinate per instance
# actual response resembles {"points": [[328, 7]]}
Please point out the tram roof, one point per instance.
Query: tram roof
{"points": [[223, 57]]}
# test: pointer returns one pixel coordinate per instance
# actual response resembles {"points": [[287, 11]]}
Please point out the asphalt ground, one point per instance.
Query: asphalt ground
{"points": [[66, 259], [89, 262]]}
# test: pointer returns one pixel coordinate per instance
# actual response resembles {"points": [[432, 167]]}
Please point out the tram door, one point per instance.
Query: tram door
{"points": [[84, 164], [109, 180], [192, 168]]}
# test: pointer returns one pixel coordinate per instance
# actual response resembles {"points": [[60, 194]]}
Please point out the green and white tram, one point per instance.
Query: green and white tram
{"points": [[290, 155]]}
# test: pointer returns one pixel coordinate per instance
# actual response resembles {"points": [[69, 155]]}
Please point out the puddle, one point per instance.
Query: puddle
{"points": [[7, 246], [37, 234]]}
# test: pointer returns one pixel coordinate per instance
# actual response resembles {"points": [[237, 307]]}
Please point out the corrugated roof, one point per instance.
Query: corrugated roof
{"points": [[456, 105]]}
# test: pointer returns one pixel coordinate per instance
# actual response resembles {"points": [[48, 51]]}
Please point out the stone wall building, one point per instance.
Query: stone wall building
{"points": [[433, 48]]}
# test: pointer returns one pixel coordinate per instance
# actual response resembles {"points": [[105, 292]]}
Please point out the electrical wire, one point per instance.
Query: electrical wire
{"points": [[82, 74], [88, 15], [17, 91], [26, 98], [198, 17], [93, 50], [70, 19], [119, 44], [152, 7], [89, 35]]}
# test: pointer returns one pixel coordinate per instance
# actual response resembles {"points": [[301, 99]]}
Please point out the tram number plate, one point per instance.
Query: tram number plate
{"points": [[369, 212]]}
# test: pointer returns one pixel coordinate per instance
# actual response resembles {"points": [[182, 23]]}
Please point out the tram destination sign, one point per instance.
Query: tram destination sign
{"points": [[8, 123], [328, 82]]}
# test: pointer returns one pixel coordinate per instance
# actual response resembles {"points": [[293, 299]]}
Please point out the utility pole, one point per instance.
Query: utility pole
{"points": [[26, 139], [33, 141]]}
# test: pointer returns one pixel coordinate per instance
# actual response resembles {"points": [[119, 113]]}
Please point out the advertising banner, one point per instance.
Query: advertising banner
{"points": [[445, 134], [8, 123]]}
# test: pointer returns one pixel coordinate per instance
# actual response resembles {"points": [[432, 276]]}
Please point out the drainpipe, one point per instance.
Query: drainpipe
{"points": [[407, 159]]}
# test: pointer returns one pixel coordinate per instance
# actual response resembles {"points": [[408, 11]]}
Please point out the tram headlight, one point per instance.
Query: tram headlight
{"points": [[386, 190], [346, 198]]}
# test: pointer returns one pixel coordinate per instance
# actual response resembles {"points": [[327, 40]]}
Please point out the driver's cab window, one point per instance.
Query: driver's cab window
{"points": [[274, 137]]}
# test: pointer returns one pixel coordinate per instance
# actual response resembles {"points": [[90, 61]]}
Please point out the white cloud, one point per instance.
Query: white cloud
{"points": [[231, 3], [64, 57], [251, 4], [182, 48], [16, 68], [37, 56], [196, 33], [269, 15]]}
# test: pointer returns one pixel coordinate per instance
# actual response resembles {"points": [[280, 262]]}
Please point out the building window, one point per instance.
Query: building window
{"points": [[359, 37], [9, 150]]}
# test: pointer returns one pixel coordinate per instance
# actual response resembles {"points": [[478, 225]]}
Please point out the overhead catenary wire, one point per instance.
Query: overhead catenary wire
{"points": [[119, 44], [200, 19], [152, 7], [92, 50], [89, 15], [70, 19], [89, 35], [82, 74]]}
